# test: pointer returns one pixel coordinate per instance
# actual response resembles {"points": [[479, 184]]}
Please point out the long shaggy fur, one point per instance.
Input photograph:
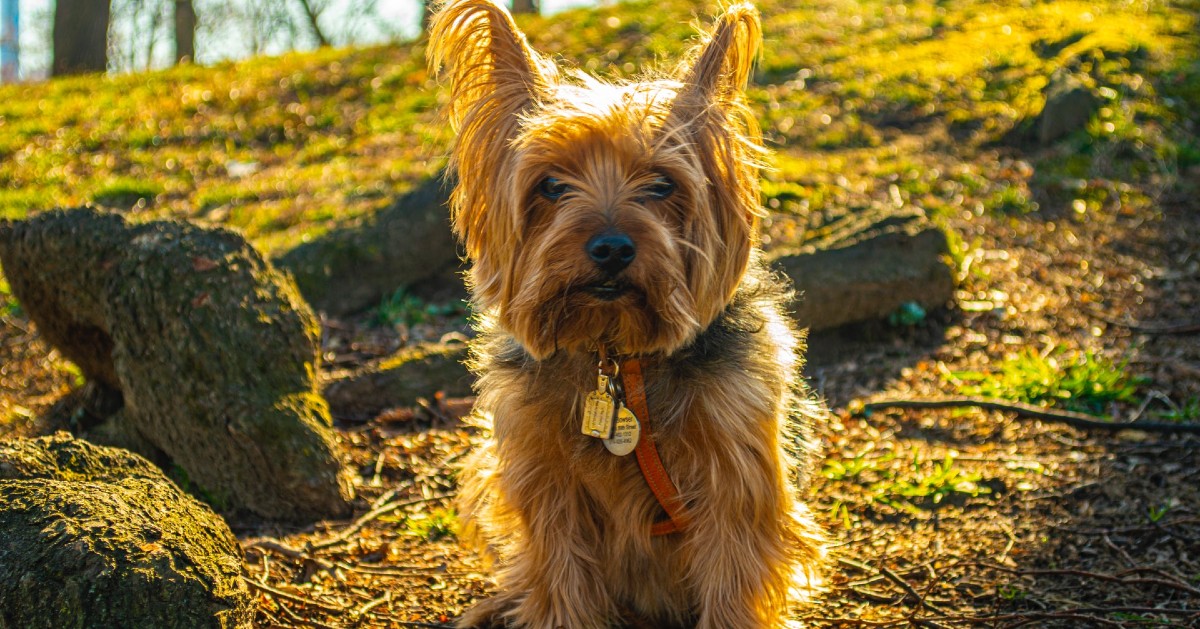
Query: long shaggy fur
{"points": [[568, 521]]}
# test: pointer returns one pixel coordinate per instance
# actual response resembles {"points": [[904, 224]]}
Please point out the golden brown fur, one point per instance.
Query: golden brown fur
{"points": [[568, 521]]}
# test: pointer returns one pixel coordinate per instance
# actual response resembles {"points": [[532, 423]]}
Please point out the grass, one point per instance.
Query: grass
{"points": [[288, 147], [403, 308], [436, 525], [907, 484], [1083, 381]]}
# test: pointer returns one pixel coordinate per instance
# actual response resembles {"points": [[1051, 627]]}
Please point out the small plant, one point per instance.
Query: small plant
{"points": [[846, 469], [9, 306], [404, 308], [1082, 381], [1157, 513], [909, 313], [1189, 411], [435, 525], [944, 480], [1009, 200], [1010, 592], [127, 193]]}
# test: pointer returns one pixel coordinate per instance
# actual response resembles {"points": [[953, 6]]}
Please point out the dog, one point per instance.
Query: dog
{"points": [[638, 383]]}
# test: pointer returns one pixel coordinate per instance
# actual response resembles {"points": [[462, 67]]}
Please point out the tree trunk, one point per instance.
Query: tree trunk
{"points": [[80, 36], [185, 31], [211, 348], [526, 6], [312, 13], [426, 14]]}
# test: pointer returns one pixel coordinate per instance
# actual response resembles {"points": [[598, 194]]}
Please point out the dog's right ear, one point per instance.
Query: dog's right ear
{"points": [[492, 71], [494, 76]]}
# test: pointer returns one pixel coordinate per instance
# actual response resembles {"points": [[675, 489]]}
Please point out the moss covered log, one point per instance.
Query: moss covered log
{"points": [[211, 347], [400, 380], [867, 265], [99, 537], [406, 245]]}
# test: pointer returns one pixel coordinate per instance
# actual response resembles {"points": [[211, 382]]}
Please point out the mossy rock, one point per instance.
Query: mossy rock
{"points": [[99, 537], [211, 348], [399, 380], [866, 265], [406, 245]]}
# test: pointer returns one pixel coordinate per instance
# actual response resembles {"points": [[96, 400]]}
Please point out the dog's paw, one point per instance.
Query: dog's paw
{"points": [[486, 614]]}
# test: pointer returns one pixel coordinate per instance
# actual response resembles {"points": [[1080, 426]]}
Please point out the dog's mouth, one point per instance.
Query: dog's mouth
{"points": [[607, 290]]}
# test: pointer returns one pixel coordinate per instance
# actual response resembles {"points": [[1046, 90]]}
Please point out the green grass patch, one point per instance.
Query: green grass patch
{"points": [[436, 525], [841, 85], [910, 485], [125, 192], [1081, 381]]}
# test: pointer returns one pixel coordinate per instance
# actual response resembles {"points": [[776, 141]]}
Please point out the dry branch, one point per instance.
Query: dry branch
{"points": [[1029, 411]]}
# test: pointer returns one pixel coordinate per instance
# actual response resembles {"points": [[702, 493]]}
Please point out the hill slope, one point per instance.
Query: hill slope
{"points": [[856, 96], [1077, 261]]}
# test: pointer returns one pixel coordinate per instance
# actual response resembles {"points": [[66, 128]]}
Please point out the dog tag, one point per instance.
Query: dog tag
{"points": [[626, 433], [599, 410]]}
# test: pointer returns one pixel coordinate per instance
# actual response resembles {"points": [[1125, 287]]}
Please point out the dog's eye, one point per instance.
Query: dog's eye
{"points": [[660, 188], [552, 188]]}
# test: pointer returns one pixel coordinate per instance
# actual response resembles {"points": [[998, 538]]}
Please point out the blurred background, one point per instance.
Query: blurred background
{"points": [[153, 34]]}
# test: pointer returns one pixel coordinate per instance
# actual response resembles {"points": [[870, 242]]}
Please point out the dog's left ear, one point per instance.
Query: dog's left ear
{"points": [[494, 77], [719, 72], [710, 111]]}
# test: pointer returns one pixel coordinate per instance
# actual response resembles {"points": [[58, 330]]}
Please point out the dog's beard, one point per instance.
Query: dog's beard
{"points": [[629, 314]]}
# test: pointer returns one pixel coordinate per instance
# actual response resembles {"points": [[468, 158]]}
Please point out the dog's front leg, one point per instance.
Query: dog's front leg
{"points": [[742, 550], [554, 576]]}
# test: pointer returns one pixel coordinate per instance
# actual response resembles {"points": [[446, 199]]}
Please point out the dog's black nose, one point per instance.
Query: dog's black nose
{"points": [[612, 251]]}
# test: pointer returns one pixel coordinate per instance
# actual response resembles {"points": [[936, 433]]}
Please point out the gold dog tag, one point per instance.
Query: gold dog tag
{"points": [[626, 434], [599, 410]]}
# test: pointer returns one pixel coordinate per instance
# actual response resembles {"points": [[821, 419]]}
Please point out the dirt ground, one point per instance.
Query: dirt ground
{"points": [[1022, 522], [936, 518]]}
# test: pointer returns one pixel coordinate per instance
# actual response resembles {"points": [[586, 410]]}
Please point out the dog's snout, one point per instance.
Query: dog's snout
{"points": [[612, 251]]}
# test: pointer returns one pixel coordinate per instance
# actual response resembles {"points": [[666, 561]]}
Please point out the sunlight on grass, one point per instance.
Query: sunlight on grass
{"points": [[909, 484], [335, 134], [1082, 381], [436, 525]]}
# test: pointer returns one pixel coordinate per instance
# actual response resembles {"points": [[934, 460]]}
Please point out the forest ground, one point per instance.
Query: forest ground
{"points": [[1079, 288]]}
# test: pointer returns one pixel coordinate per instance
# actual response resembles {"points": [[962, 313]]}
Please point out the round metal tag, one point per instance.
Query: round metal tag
{"points": [[626, 433]]}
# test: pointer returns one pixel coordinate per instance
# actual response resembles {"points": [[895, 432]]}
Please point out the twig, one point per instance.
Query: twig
{"points": [[909, 589], [857, 622], [1190, 327], [396, 571], [371, 515], [362, 611], [1162, 582], [293, 597], [305, 621], [268, 543], [1029, 411]]}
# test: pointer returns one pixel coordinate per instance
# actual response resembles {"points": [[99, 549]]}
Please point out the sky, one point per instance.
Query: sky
{"points": [[398, 15]]}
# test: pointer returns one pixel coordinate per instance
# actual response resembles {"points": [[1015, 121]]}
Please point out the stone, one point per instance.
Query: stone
{"points": [[1069, 106], [407, 245], [399, 380], [99, 537], [867, 265], [212, 351]]}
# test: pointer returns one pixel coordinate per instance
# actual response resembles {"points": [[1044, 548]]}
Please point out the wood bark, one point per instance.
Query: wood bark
{"points": [[526, 6], [80, 36], [212, 349], [185, 31]]}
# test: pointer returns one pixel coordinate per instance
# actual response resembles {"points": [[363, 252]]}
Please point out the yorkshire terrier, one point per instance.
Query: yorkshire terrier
{"points": [[625, 309]]}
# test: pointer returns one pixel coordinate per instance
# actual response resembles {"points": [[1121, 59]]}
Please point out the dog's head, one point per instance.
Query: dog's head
{"points": [[600, 213]]}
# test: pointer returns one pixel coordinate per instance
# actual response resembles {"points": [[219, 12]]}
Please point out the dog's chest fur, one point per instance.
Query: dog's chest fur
{"points": [[691, 406]]}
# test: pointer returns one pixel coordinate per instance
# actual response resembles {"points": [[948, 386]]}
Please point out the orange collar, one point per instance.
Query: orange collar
{"points": [[647, 455]]}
